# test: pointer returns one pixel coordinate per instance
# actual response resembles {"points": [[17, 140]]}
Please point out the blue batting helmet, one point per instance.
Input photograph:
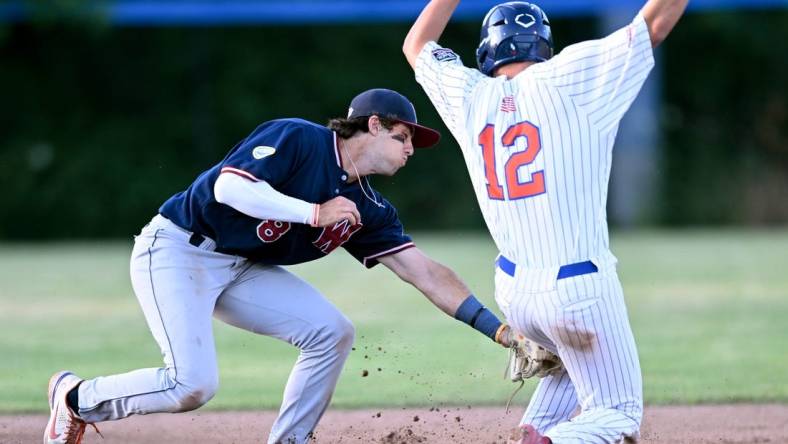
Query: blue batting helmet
{"points": [[514, 32]]}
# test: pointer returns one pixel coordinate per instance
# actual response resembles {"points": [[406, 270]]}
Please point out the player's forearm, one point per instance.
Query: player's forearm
{"points": [[448, 292], [437, 282], [445, 290], [442, 287], [661, 16], [261, 201], [428, 27]]}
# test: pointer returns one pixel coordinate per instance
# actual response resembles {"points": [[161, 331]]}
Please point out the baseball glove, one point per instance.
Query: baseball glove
{"points": [[528, 359]]}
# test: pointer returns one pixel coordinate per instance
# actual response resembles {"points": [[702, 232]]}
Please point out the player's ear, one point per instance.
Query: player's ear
{"points": [[374, 125]]}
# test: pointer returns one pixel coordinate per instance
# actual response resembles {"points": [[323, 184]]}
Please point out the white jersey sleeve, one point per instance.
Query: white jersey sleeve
{"points": [[260, 200], [603, 76], [448, 83]]}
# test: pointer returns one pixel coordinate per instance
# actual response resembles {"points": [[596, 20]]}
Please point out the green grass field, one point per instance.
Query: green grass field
{"points": [[708, 308]]}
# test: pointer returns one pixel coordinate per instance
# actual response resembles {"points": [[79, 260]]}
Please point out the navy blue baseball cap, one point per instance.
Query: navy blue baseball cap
{"points": [[395, 106]]}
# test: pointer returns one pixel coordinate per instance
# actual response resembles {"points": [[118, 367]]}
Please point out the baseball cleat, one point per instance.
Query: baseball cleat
{"points": [[529, 435], [64, 426]]}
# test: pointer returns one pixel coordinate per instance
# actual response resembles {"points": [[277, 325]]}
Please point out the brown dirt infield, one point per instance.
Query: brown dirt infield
{"points": [[720, 424]]}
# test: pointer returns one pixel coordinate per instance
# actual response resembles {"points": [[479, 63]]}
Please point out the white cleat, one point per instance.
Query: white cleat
{"points": [[64, 426]]}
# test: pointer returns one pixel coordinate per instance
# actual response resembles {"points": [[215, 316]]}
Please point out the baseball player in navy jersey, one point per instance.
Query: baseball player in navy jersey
{"points": [[537, 133], [290, 192]]}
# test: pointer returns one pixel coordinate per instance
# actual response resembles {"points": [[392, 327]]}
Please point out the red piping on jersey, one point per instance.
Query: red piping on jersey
{"points": [[389, 251], [336, 150], [241, 173]]}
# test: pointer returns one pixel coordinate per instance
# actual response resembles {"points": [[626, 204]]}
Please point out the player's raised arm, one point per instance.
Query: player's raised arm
{"points": [[428, 27], [661, 16]]}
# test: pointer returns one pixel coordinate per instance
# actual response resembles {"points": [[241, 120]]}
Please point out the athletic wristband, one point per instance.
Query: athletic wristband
{"points": [[473, 313]]}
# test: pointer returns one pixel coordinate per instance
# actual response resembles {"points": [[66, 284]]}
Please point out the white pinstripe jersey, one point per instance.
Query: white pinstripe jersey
{"points": [[538, 146]]}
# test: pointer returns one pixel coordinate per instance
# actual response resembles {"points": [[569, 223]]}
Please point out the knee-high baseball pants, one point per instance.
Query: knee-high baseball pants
{"points": [[180, 287]]}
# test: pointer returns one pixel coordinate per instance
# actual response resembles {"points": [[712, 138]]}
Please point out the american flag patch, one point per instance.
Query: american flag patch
{"points": [[507, 104]]}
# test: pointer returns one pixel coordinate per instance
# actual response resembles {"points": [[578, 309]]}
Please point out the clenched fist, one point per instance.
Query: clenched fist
{"points": [[337, 209]]}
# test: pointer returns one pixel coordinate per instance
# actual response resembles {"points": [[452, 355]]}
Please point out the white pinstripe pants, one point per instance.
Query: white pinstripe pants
{"points": [[584, 320], [180, 288]]}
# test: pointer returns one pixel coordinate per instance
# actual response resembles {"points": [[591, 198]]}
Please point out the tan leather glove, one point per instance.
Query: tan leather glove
{"points": [[527, 358]]}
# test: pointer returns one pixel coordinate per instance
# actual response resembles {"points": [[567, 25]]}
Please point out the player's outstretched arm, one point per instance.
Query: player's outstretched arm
{"points": [[438, 283], [661, 16], [428, 27], [445, 289]]}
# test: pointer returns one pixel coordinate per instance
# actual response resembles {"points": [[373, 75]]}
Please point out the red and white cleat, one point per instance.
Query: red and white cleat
{"points": [[64, 426]]}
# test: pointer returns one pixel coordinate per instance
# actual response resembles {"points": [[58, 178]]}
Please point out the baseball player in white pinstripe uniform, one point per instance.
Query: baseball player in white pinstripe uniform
{"points": [[537, 133]]}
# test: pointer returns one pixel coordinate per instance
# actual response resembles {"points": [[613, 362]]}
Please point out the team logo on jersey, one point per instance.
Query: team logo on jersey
{"points": [[260, 152], [444, 55], [333, 237], [525, 23]]}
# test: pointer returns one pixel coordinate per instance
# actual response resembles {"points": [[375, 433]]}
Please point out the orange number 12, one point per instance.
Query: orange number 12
{"points": [[516, 189]]}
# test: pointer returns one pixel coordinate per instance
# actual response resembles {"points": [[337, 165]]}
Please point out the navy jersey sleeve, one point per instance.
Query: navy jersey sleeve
{"points": [[272, 153], [382, 234]]}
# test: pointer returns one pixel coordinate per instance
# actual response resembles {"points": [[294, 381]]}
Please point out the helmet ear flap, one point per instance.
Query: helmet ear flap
{"points": [[481, 57], [485, 56]]}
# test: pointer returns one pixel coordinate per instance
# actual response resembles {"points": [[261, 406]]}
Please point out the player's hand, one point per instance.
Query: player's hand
{"points": [[338, 209]]}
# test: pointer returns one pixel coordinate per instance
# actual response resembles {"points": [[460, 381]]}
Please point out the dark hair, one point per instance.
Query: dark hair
{"points": [[347, 128]]}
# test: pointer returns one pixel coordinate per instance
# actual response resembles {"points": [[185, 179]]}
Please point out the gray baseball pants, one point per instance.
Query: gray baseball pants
{"points": [[180, 287]]}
